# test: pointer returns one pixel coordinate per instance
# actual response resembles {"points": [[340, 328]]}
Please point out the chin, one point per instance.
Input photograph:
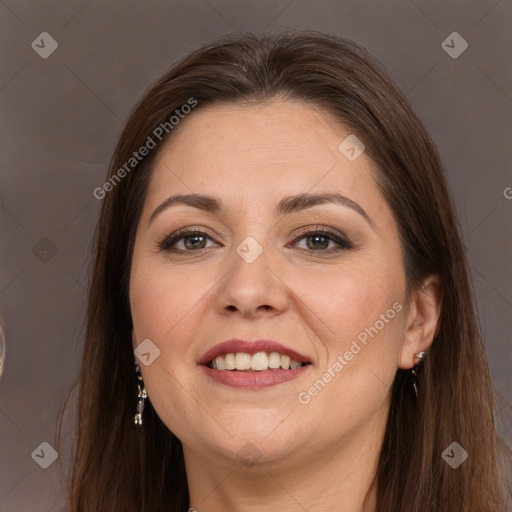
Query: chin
{"points": [[267, 439], [249, 451]]}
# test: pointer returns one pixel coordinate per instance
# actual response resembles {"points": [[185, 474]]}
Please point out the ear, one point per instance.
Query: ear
{"points": [[421, 324]]}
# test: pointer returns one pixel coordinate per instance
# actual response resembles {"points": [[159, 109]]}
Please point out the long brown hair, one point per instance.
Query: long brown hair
{"points": [[119, 468]]}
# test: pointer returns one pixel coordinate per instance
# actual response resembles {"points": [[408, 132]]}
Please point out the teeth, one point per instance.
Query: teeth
{"points": [[260, 361], [230, 362], [242, 361], [274, 360]]}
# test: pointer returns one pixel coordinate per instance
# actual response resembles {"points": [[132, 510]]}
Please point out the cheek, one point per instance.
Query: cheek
{"points": [[363, 354], [359, 319], [163, 307], [351, 299], [160, 297]]}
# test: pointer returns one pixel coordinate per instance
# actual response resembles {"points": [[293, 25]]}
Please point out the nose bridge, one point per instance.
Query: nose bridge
{"points": [[251, 281], [252, 231], [251, 262]]}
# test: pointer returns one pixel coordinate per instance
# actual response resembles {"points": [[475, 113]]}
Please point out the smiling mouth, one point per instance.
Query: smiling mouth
{"points": [[258, 362]]}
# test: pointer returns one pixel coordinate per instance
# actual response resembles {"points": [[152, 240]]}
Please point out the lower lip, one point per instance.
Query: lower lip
{"points": [[253, 380]]}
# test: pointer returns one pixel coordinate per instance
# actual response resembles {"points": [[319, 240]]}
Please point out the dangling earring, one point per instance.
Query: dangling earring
{"points": [[141, 397], [415, 369]]}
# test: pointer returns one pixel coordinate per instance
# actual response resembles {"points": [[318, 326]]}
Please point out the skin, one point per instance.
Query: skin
{"points": [[316, 456]]}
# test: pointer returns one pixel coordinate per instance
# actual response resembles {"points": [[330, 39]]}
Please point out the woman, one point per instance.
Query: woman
{"points": [[280, 315]]}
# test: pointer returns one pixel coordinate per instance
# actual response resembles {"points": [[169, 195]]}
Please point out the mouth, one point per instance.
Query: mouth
{"points": [[258, 362], [253, 364]]}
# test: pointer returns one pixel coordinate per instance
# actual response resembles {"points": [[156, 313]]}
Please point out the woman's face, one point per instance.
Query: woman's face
{"points": [[261, 271]]}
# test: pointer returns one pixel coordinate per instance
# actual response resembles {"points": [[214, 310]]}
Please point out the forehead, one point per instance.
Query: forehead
{"points": [[259, 153]]}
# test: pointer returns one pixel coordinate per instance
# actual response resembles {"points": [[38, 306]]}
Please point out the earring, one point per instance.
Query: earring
{"points": [[141, 397], [415, 369]]}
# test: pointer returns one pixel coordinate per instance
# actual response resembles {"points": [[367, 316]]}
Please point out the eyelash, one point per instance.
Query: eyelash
{"points": [[170, 240]]}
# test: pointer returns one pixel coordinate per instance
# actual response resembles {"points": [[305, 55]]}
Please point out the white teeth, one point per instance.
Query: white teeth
{"points": [[260, 361], [242, 361], [274, 360], [230, 362]]}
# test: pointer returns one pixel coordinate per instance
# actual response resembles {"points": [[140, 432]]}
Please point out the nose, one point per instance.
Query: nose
{"points": [[253, 288]]}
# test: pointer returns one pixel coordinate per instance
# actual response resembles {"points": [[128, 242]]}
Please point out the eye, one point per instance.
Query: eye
{"points": [[192, 240], [318, 240], [196, 239]]}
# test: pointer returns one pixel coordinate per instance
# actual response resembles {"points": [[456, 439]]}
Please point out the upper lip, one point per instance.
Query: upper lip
{"points": [[250, 347]]}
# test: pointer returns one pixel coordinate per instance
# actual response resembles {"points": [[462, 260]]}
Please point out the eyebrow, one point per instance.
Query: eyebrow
{"points": [[287, 205]]}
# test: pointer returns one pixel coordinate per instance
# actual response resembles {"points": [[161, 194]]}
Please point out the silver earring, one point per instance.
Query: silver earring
{"points": [[421, 356], [141, 397]]}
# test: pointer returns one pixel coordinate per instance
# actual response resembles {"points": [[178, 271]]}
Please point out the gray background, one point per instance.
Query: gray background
{"points": [[61, 116]]}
